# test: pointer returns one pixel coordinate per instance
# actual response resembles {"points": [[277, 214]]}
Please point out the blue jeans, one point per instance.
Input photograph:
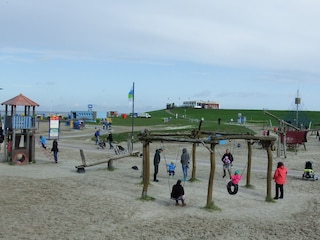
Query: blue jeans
{"points": [[185, 171], [55, 156]]}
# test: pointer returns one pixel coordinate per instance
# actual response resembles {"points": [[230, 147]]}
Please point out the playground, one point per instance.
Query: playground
{"points": [[53, 201]]}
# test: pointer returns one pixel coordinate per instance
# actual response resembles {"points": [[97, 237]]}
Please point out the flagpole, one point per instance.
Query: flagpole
{"points": [[132, 119]]}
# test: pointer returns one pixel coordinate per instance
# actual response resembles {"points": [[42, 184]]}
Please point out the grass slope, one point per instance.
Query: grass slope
{"points": [[189, 118]]}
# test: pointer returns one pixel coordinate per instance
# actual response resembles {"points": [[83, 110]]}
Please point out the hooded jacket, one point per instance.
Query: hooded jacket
{"points": [[156, 158], [280, 175], [185, 158], [54, 146]]}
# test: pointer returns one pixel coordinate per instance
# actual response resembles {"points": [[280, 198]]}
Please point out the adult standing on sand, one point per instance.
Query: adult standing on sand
{"points": [[227, 160], [110, 140], [185, 160], [156, 161], [97, 135]]}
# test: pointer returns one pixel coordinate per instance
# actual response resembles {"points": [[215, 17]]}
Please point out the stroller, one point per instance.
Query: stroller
{"points": [[119, 150], [308, 171], [102, 145]]}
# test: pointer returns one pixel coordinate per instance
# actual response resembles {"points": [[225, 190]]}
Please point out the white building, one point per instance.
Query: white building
{"points": [[201, 104]]}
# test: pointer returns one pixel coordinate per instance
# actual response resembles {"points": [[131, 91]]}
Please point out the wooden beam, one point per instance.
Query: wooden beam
{"points": [[109, 160], [146, 168], [214, 139], [249, 144], [281, 121], [269, 171]]}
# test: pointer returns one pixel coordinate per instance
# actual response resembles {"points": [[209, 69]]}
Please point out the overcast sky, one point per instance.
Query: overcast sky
{"points": [[248, 54]]}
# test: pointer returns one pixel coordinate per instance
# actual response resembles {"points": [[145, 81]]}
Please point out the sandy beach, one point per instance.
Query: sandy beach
{"points": [[44, 200]]}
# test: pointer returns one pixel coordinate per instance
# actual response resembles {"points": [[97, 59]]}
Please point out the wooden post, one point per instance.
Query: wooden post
{"points": [[211, 176], [285, 145], [83, 158], [279, 147], [269, 171], [194, 166], [146, 168], [248, 183], [110, 164]]}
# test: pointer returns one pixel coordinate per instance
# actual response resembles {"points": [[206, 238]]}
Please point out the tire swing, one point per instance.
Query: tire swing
{"points": [[232, 188], [20, 158]]}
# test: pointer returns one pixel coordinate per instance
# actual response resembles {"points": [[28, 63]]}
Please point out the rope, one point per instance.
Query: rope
{"points": [[46, 151], [244, 169], [165, 160]]}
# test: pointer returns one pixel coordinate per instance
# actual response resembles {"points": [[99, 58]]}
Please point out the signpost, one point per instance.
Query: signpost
{"points": [[54, 127]]}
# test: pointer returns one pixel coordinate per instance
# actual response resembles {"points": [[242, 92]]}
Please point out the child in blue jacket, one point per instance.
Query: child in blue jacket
{"points": [[171, 168]]}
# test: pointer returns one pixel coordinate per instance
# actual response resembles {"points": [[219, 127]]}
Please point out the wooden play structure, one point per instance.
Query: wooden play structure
{"points": [[289, 136], [81, 168], [19, 130], [198, 138]]}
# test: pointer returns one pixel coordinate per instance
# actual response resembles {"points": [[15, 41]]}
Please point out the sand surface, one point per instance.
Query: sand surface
{"points": [[45, 200]]}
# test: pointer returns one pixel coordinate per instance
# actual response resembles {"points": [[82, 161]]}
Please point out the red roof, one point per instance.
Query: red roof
{"points": [[20, 100]]}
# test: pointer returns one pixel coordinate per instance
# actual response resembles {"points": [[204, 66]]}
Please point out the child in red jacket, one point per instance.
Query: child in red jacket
{"points": [[279, 177], [235, 179]]}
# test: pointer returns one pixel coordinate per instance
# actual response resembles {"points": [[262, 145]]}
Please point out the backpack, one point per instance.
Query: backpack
{"points": [[95, 134]]}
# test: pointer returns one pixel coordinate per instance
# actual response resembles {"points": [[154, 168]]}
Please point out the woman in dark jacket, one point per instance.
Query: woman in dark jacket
{"points": [[177, 193], [55, 150], [156, 161], [110, 139]]}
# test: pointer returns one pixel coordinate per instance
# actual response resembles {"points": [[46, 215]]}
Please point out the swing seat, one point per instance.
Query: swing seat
{"points": [[232, 188], [183, 197]]}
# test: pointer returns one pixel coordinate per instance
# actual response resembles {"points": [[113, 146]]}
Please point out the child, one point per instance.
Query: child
{"points": [[171, 168], [43, 142], [226, 165], [279, 177], [234, 180]]}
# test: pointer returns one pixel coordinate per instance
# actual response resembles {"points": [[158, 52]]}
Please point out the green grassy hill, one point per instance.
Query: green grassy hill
{"points": [[190, 115], [190, 118]]}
